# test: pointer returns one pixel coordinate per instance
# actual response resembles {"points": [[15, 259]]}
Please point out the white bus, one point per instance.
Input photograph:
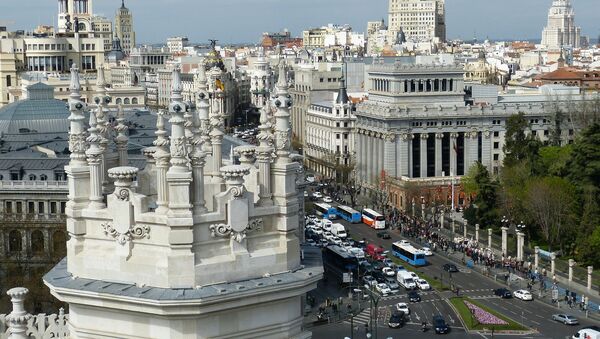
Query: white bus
{"points": [[373, 219]]}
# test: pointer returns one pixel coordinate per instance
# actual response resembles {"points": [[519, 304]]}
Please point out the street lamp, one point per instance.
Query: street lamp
{"points": [[375, 298]]}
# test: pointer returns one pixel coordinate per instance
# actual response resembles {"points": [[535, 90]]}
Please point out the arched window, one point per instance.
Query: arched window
{"points": [[119, 101], [134, 101], [37, 242], [15, 242], [59, 243], [43, 177], [32, 177], [126, 101]]}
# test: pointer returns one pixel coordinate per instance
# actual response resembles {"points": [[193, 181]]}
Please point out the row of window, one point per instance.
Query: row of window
{"points": [[17, 175], [37, 242], [18, 207]]}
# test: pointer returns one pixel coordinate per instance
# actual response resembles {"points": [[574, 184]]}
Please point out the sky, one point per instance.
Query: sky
{"points": [[237, 21]]}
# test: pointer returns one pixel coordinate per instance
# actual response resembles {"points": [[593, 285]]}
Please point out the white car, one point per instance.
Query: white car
{"points": [[326, 225], [383, 289], [336, 240], [523, 295], [423, 285], [327, 199], [388, 271], [414, 276], [318, 195], [427, 251], [403, 307], [327, 236]]}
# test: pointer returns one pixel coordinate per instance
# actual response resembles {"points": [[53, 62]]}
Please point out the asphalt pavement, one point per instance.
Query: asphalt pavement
{"points": [[534, 314]]}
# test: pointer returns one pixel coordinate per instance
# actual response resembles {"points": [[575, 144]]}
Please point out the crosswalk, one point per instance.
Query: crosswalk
{"points": [[364, 317]]}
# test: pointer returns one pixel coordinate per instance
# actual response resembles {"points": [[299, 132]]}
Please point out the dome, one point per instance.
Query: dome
{"points": [[40, 112]]}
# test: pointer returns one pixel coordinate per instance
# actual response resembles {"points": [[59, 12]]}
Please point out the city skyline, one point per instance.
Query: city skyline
{"points": [[247, 21]]}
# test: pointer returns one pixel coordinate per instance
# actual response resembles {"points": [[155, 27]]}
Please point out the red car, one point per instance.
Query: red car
{"points": [[374, 252]]}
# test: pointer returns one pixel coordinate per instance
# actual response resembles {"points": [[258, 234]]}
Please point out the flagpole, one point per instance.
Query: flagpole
{"points": [[452, 180]]}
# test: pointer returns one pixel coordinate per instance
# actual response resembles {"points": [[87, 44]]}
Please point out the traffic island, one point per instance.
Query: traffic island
{"points": [[477, 317]]}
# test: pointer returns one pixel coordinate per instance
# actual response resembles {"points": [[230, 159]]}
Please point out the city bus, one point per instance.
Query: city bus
{"points": [[409, 254], [349, 214], [373, 219], [325, 211], [338, 261]]}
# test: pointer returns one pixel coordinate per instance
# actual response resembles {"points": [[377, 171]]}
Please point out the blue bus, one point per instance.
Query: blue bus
{"points": [[325, 211], [349, 214], [337, 261], [408, 253]]}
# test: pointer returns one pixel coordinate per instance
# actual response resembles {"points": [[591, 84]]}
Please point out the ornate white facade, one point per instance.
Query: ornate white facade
{"points": [[195, 248], [561, 30]]}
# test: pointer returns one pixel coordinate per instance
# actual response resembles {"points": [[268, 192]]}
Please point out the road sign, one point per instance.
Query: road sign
{"points": [[347, 278], [554, 294]]}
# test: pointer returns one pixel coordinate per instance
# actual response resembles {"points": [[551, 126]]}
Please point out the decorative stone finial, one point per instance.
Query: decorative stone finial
{"points": [[176, 86], [121, 140], [123, 177], [100, 81], [246, 153], [17, 319], [74, 86], [234, 178]]}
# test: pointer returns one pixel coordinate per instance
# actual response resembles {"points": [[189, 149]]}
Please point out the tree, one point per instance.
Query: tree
{"points": [[549, 202], [515, 139], [483, 210], [584, 166]]}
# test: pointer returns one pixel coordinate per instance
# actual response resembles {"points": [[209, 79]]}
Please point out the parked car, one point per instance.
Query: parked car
{"points": [[403, 307], [397, 320], [503, 293], [414, 297], [327, 199], [565, 319], [450, 268], [383, 235], [439, 324], [427, 251], [383, 289], [423, 285], [523, 295]]}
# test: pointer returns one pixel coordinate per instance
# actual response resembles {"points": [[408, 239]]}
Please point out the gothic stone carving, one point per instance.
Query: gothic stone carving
{"points": [[134, 232]]}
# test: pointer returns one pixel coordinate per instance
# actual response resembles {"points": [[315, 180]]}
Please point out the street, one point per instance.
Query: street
{"points": [[533, 314]]}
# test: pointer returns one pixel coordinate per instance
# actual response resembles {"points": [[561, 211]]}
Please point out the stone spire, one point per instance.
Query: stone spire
{"points": [[342, 97], [94, 157], [198, 156], [282, 102], [101, 82], [179, 176], [121, 140], [162, 157], [76, 118]]}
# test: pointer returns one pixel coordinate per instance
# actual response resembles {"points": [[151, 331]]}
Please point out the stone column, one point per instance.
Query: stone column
{"points": [[453, 154], [162, 157], [264, 156], [520, 244], [552, 263], [438, 154], [411, 159], [370, 163], [473, 149], [380, 156], [504, 240], [423, 150], [486, 149], [94, 157], [453, 226], [489, 238], [121, 140], [590, 270], [442, 219], [389, 150], [465, 224], [536, 257], [17, 319], [477, 232], [198, 158], [571, 265]]}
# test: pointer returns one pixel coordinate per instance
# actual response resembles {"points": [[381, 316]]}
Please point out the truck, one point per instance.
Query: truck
{"points": [[375, 252], [339, 231], [406, 280]]}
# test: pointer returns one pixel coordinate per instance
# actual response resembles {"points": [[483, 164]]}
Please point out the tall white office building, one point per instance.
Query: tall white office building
{"points": [[561, 30], [419, 20]]}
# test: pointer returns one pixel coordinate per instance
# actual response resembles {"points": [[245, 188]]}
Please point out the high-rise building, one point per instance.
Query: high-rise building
{"points": [[561, 30], [420, 20], [124, 28]]}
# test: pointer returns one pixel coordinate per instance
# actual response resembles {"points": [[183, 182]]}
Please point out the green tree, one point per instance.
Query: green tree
{"points": [[483, 210], [515, 139], [584, 166]]}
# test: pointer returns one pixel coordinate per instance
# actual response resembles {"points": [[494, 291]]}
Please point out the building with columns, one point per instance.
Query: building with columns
{"points": [[416, 126], [561, 30]]}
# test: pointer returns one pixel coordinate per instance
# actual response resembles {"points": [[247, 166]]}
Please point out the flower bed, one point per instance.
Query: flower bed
{"points": [[484, 317]]}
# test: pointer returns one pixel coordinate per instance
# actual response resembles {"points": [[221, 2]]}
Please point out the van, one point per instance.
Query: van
{"points": [[374, 252], [406, 280], [587, 333], [339, 231]]}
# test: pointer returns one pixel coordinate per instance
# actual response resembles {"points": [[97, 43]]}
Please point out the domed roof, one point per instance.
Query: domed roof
{"points": [[40, 112]]}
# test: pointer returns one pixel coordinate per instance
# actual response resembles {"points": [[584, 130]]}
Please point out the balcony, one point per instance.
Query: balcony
{"points": [[20, 185]]}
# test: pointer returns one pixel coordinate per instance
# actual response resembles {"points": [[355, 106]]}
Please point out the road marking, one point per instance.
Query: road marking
{"points": [[535, 322]]}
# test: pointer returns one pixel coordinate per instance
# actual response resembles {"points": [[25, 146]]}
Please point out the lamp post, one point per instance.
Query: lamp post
{"points": [[375, 298]]}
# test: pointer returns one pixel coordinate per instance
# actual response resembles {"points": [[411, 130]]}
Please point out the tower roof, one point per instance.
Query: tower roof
{"points": [[342, 97]]}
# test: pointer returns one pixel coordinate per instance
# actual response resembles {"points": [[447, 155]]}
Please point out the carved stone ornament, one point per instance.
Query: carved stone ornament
{"points": [[134, 232], [123, 194], [77, 142], [224, 230], [178, 148]]}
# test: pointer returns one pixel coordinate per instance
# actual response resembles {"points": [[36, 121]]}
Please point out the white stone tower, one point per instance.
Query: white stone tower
{"points": [[261, 79], [68, 10], [124, 28], [211, 260], [561, 30]]}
